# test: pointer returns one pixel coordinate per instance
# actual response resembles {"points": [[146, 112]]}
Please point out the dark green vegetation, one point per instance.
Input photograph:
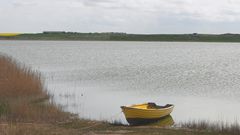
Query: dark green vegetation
{"points": [[25, 109], [127, 37]]}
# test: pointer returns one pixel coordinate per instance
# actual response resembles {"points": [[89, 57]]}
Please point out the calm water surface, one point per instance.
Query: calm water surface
{"points": [[93, 79]]}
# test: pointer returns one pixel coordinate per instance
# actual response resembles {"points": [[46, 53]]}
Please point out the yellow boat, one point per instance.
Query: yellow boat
{"points": [[146, 113]]}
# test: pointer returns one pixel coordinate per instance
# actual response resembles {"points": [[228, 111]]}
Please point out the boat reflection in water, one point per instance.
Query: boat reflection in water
{"points": [[166, 121]]}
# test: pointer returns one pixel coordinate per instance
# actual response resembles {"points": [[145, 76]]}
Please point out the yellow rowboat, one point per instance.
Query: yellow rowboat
{"points": [[146, 113]]}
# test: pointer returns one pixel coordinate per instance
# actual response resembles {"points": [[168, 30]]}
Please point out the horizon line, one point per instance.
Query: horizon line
{"points": [[190, 33]]}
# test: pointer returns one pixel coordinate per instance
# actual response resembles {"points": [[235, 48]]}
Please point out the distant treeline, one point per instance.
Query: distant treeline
{"points": [[111, 36]]}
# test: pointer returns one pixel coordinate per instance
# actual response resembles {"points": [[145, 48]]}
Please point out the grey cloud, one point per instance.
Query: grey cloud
{"points": [[21, 3]]}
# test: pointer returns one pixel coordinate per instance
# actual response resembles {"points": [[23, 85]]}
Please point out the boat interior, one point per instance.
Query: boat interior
{"points": [[150, 105]]}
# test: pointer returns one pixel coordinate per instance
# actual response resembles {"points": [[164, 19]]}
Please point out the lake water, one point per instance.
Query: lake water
{"points": [[93, 79]]}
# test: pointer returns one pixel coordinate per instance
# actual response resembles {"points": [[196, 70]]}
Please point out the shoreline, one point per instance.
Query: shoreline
{"points": [[33, 113], [111, 36], [120, 41]]}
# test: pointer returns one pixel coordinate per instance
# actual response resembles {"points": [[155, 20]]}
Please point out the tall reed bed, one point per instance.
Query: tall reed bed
{"points": [[23, 97]]}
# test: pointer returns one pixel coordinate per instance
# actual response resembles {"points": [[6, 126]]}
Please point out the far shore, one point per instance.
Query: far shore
{"points": [[116, 36]]}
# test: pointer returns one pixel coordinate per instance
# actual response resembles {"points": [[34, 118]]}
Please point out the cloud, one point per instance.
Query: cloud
{"points": [[204, 10], [143, 16]]}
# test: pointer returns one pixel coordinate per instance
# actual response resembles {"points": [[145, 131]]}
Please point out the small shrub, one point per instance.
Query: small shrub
{"points": [[3, 108]]}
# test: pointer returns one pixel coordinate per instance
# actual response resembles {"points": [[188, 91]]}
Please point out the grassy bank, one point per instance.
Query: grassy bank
{"points": [[25, 109], [228, 37]]}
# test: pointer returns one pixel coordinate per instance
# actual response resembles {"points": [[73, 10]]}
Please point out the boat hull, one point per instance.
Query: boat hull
{"points": [[138, 116], [142, 121]]}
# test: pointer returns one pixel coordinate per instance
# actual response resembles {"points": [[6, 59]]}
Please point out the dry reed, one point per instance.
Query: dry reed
{"points": [[22, 95], [217, 127]]}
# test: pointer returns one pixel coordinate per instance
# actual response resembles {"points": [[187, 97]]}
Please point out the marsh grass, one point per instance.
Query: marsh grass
{"points": [[22, 95], [216, 127]]}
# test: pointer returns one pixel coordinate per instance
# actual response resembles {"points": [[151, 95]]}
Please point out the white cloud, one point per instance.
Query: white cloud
{"points": [[145, 16]]}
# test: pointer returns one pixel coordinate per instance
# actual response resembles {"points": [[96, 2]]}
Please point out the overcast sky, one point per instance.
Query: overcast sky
{"points": [[131, 16]]}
